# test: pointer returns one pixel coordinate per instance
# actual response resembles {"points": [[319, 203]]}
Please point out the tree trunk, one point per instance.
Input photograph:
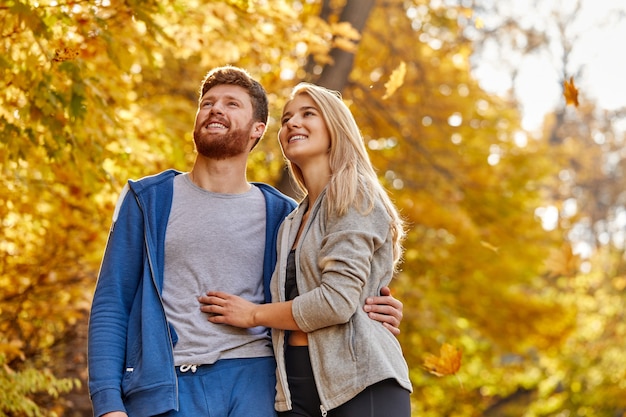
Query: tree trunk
{"points": [[335, 75]]}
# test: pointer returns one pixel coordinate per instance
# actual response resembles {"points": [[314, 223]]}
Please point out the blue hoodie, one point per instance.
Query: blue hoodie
{"points": [[131, 362]]}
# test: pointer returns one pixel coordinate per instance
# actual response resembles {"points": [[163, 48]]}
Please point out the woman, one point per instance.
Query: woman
{"points": [[338, 247]]}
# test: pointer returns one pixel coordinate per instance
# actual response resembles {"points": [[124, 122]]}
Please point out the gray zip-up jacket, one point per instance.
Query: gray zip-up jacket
{"points": [[340, 261]]}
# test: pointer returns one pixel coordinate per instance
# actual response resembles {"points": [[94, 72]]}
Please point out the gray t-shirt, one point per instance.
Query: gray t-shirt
{"points": [[213, 242]]}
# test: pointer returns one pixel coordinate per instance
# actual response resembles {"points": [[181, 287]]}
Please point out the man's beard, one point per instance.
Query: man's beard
{"points": [[222, 146]]}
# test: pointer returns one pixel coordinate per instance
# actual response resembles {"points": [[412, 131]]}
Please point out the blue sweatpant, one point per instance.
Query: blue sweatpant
{"points": [[228, 388]]}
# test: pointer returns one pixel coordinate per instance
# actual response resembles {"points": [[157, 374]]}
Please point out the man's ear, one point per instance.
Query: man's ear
{"points": [[258, 130]]}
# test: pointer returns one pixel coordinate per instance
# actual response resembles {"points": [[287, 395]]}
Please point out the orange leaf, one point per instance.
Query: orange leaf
{"points": [[447, 363], [65, 54], [570, 92]]}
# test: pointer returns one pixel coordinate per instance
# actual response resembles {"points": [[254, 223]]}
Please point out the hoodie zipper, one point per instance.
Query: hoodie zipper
{"points": [[282, 340], [156, 288]]}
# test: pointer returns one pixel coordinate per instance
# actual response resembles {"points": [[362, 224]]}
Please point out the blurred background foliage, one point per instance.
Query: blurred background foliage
{"points": [[96, 92]]}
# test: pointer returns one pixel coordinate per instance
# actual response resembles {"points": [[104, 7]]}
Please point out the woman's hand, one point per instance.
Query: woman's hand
{"points": [[224, 308]]}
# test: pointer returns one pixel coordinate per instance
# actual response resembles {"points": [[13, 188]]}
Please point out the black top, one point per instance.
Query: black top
{"points": [[291, 288]]}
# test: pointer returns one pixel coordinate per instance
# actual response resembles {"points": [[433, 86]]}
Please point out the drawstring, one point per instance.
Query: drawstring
{"points": [[186, 368], [323, 410]]}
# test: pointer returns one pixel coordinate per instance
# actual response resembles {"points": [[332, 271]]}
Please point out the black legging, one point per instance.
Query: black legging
{"points": [[383, 399]]}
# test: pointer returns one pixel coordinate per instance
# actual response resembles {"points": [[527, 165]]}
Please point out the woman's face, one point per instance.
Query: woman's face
{"points": [[303, 135]]}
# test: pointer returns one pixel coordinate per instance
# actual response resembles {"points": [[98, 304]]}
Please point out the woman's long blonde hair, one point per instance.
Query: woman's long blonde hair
{"points": [[353, 178]]}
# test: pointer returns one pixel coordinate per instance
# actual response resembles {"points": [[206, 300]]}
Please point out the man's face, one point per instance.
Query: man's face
{"points": [[224, 127]]}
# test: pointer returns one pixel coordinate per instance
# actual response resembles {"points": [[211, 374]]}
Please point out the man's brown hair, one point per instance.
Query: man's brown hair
{"points": [[230, 75]]}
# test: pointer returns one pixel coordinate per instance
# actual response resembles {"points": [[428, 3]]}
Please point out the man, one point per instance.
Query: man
{"points": [[174, 236]]}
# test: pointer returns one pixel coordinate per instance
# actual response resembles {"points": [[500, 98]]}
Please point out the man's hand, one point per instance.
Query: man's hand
{"points": [[115, 414], [385, 309]]}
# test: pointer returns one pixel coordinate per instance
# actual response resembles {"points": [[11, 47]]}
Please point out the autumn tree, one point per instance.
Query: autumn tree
{"points": [[95, 93], [584, 197]]}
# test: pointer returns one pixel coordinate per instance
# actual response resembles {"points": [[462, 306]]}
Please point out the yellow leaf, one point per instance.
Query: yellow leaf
{"points": [[12, 350], [345, 30], [562, 262], [489, 246], [395, 80], [570, 92], [447, 363], [344, 44]]}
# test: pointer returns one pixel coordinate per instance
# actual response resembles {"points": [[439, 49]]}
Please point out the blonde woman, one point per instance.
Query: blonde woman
{"points": [[340, 246]]}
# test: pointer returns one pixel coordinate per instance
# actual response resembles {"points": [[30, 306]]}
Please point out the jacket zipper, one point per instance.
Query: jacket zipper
{"points": [[305, 228], [156, 288]]}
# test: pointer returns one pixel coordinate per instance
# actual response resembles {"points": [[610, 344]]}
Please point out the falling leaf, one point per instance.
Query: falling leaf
{"points": [[447, 363], [570, 92], [562, 262], [395, 80], [489, 246]]}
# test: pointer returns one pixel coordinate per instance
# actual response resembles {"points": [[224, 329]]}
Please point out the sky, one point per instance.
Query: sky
{"points": [[597, 60]]}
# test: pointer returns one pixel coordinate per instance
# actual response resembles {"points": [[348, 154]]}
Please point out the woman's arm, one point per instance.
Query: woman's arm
{"points": [[224, 308], [230, 309]]}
